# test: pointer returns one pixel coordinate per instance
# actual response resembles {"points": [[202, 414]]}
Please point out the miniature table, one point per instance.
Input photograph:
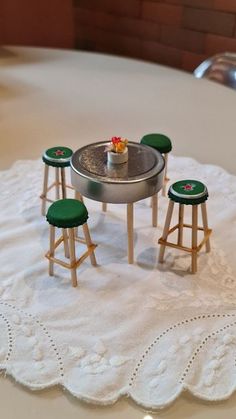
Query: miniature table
{"points": [[141, 177]]}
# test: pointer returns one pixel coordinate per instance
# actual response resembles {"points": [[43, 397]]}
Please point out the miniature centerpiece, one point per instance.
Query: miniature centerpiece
{"points": [[117, 151]]}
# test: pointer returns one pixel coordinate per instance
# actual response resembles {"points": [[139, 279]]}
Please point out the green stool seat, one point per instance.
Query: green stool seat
{"points": [[57, 156], [158, 141], [188, 192], [67, 213]]}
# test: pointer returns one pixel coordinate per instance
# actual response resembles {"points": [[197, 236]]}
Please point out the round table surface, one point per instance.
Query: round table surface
{"points": [[71, 98], [91, 162], [94, 177]]}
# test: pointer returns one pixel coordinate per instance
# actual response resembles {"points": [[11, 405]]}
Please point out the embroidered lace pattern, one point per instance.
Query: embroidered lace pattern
{"points": [[142, 330]]}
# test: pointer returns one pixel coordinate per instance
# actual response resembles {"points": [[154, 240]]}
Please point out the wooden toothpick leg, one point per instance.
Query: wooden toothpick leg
{"points": [[130, 231], [45, 187], [166, 230], [165, 180], [66, 244], [104, 207], [205, 224], [181, 222], [79, 196], [63, 183], [52, 249], [57, 181], [155, 210], [194, 237], [89, 242], [72, 257]]}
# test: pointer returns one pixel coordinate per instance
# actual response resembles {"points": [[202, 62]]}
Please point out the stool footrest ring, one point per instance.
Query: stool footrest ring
{"points": [[186, 249], [78, 262]]}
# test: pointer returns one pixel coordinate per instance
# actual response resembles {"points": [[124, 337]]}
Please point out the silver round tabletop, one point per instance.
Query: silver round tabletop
{"points": [[95, 178]]}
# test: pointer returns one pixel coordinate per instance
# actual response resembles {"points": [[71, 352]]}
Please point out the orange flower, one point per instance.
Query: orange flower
{"points": [[120, 147]]}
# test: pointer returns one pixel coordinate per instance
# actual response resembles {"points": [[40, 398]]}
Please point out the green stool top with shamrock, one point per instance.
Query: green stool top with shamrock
{"points": [[58, 157]]}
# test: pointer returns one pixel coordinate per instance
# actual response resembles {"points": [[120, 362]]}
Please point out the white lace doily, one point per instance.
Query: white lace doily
{"points": [[142, 330]]}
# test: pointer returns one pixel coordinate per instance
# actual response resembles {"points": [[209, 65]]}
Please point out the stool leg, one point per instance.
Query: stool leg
{"points": [[165, 180], [57, 181], [154, 210], [104, 206], [72, 257], [79, 196], [194, 237], [205, 224], [66, 244], [166, 230], [45, 189], [52, 249], [181, 222], [130, 231], [63, 183], [89, 242]]}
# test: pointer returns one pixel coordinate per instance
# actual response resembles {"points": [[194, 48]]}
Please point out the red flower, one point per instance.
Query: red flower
{"points": [[115, 140]]}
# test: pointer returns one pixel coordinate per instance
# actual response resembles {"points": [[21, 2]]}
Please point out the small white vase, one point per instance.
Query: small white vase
{"points": [[117, 158]]}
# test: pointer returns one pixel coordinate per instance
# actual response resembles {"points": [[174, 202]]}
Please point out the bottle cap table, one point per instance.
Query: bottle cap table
{"points": [[139, 178]]}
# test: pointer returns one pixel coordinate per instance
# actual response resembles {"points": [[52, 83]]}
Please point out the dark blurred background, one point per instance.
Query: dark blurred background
{"points": [[177, 33]]}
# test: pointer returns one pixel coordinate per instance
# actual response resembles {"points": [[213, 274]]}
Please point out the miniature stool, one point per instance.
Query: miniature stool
{"points": [[58, 157], [68, 214], [162, 144], [186, 192]]}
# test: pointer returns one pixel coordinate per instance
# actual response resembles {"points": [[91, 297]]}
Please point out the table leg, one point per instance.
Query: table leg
{"points": [[104, 207], [154, 210], [130, 231]]}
